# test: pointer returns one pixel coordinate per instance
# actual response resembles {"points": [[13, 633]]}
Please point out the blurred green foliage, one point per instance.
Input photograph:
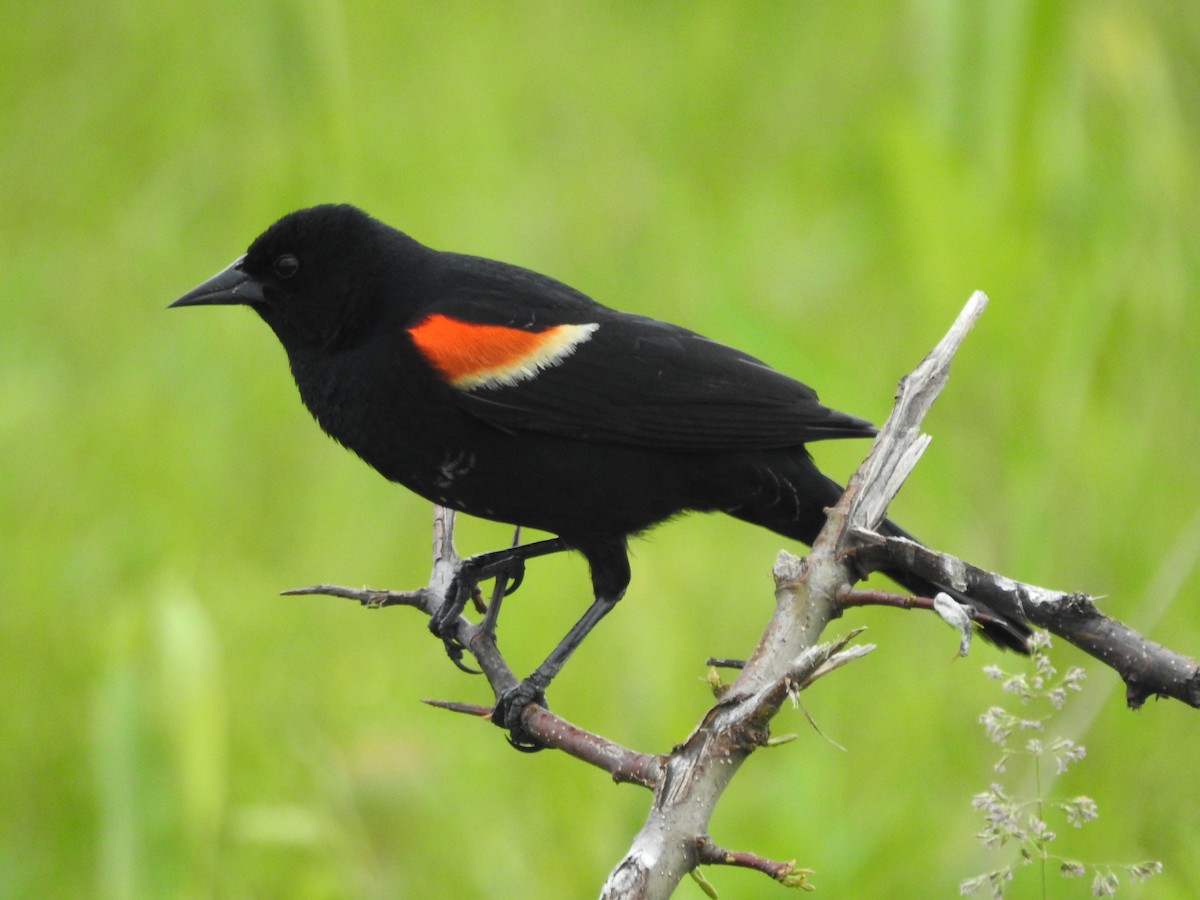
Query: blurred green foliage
{"points": [[820, 184]]}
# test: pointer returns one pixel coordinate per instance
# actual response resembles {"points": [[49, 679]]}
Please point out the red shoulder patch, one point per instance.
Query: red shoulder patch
{"points": [[470, 355]]}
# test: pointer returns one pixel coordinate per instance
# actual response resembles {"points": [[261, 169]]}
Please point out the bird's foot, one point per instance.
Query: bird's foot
{"points": [[507, 713], [444, 624], [506, 566], [515, 574], [508, 570]]}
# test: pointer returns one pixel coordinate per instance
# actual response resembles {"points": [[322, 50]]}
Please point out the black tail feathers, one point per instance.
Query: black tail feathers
{"points": [[804, 524], [1003, 632]]}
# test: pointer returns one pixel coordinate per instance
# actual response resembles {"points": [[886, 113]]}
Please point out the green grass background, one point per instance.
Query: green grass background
{"points": [[820, 184]]}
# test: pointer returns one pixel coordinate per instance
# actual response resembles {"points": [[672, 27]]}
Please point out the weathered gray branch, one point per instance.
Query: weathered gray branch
{"points": [[806, 601]]}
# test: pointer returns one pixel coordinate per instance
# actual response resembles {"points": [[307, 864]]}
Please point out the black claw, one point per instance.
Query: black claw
{"points": [[454, 650], [524, 746], [444, 622], [507, 714], [503, 566], [517, 576]]}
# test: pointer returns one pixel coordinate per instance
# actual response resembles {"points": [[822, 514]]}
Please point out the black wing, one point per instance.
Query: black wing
{"points": [[634, 380], [639, 382]]}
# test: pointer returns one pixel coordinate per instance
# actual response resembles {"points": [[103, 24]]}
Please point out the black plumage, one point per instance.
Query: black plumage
{"points": [[505, 394]]}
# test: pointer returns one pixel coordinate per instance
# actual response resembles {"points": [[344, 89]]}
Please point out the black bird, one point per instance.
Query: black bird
{"points": [[505, 394]]}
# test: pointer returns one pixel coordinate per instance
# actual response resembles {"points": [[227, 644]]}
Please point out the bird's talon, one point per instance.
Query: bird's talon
{"points": [[518, 576], [454, 650], [508, 711], [463, 667]]}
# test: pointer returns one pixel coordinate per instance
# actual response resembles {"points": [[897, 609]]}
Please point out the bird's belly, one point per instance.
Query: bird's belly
{"points": [[556, 485], [560, 485]]}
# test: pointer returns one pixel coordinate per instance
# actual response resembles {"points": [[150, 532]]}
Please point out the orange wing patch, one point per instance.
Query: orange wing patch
{"points": [[470, 355]]}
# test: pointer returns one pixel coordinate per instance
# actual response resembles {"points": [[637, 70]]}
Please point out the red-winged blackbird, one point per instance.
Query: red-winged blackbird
{"points": [[508, 395]]}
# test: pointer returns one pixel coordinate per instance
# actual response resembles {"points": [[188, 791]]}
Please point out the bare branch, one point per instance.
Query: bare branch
{"points": [[1147, 668], [368, 597], [786, 873], [697, 772], [900, 442]]}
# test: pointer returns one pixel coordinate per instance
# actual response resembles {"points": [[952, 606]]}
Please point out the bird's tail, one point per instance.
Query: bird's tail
{"points": [[1004, 632], [812, 487]]}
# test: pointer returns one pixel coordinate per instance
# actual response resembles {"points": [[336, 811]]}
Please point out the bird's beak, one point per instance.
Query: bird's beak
{"points": [[229, 287]]}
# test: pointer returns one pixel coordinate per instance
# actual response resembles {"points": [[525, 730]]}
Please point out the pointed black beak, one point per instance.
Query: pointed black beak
{"points": [[231, 286]]}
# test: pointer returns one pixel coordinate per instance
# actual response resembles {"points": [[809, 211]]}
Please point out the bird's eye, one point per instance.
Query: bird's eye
{"points": [[286, 266]]}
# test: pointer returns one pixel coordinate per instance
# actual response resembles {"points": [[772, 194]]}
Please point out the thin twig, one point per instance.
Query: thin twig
{"points": [[786, 873], [371, 598]]}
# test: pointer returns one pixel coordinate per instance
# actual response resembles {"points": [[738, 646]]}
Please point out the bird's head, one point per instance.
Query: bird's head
{"points": [[317, 276]]}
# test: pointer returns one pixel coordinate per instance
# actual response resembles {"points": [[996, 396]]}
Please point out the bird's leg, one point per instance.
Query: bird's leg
{"points": [[500, 590], [509, 706], [509, 562]]}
